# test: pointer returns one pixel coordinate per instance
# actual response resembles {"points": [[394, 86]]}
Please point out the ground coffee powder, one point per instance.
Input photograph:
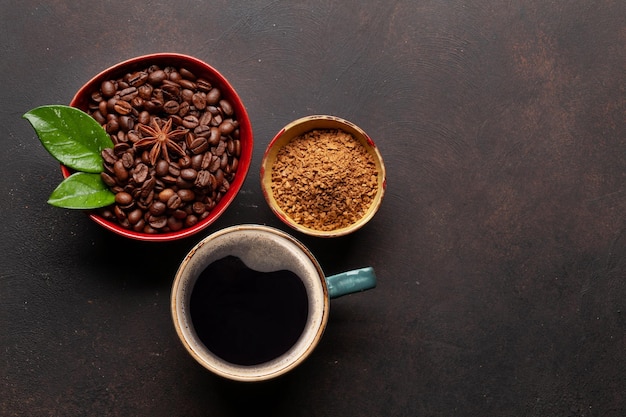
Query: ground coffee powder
{"points": [[324, 179]]}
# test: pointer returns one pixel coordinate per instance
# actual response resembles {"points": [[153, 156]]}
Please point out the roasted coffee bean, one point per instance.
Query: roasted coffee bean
{"points": [[203, 85], [174, 76], [98, 116], [187, 84], [137, 103], [220, 149], [119, 213], [203, 179], [216, 120], [214, 136], [171, 107], [103, 108], [107, 179], [157, 77], [174, 202], [207, 157], [198, 207], [149, 230], [202, 130], [191, 220], [108, 88], [119, 137], [185, 73], [186, 95], [225, 186], [183, 109], [135, 215], [184, 161], [123, 198], [199, 146], [120, 148], [216, 163], [133, 136], [140, 173], [128, 94], [179, 214], [224, 161], [237, 151], [145, 157], [188, 174], [227, 127], [219, 177], [126, 123], [153, 105], [176, 120], [174, 224], [174, 169], [205, 118], [145, 91], [157, 208], [199, 100], [138, 78], [120, 172], [186, 195], [171, 90], [162, 167], [107, 213], [112, 126], [128, 160], [234, 164], [213, 96], [190, 121], [196, 161], [147, 188], [144, 117], [157, 222], [108, 155], [165, 195], [227, 108], [139, 226], [110, 106], [169, 179], [96, 97], [122, 107]]}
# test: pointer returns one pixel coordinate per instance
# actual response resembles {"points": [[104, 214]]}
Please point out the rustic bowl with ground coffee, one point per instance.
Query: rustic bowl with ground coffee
{"points": [[182, 144], [323, 176]]}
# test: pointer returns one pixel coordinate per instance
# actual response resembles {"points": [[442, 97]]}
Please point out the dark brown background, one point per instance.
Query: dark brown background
{"points": [[500, 247]]}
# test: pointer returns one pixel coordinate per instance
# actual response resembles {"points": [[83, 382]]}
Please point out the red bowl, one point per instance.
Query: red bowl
{"points": [[201, 69]]}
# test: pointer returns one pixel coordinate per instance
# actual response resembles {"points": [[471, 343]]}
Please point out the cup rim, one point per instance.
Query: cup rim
{"points": [[306, 124], [80, 101], [248, 373]]}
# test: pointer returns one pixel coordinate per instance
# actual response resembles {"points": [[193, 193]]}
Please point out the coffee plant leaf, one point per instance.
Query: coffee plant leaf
{"points": [[82, 190], [71, 136]]}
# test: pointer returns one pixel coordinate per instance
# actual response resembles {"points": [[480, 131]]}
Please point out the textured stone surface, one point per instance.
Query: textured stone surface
{"points": [[500, 248]]}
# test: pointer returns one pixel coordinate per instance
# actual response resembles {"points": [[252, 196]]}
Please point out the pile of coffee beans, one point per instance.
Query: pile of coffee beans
{"points": [[177, 190]]}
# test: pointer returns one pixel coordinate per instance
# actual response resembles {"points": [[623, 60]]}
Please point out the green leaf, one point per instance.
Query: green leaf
{"points": [[82, 191], [71, 136]]}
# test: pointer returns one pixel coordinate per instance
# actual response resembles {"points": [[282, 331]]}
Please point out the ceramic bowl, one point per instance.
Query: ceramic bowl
{"points": [[298, 128], [201, 69]]}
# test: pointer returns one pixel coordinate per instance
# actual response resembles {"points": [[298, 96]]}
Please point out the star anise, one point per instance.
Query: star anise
{"points": [[162, 139]]}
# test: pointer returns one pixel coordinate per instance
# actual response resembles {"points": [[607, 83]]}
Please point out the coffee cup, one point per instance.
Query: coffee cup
{"points": [[251, 302]]}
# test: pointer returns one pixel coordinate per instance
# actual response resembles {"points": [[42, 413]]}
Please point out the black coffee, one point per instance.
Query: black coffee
{"points": [[248, 317]]}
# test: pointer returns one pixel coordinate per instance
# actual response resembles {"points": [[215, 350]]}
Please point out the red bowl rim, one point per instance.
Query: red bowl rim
{"points": [[81, 99]]}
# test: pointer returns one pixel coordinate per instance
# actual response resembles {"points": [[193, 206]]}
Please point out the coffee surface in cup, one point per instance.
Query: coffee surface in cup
{"points": [[248, 317]]}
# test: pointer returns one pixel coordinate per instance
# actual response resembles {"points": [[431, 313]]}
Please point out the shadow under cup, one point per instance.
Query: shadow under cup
{"points": [[236, 260]]}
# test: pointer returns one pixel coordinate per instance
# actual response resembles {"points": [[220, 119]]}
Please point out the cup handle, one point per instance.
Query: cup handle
{"points": [[351, 282]]}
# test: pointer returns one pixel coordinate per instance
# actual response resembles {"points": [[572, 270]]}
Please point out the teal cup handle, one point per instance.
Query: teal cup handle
{"points": [[350, 282]]}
